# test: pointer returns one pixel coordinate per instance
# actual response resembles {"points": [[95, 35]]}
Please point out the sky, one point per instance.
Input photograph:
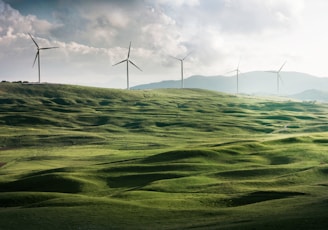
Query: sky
{"points": [[260, 35]]}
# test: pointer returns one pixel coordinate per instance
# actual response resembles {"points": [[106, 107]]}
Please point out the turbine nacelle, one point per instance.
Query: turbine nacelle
{"points": [[181, 59]]}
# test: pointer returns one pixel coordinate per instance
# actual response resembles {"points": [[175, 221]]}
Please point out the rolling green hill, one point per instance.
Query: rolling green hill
{"points": [[76, 157]]}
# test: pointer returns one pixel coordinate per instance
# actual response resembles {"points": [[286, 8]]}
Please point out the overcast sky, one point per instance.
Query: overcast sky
{"points": [[94, 35]]}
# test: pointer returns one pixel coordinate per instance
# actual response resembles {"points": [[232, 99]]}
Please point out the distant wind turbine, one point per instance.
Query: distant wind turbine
{"points": [[127, 60], [237, 75], [37, 56], [278, 75], [181, 60]]}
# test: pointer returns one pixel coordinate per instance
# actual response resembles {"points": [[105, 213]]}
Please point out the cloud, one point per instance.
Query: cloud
{"points": [[162, 34], [256, 16], [13, 20]]}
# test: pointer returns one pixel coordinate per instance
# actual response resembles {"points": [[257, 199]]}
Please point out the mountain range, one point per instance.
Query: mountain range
{"points": [[292, 84]]}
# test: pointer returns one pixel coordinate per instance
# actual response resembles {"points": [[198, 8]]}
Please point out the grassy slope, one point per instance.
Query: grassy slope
{"points": [[88, 158]]}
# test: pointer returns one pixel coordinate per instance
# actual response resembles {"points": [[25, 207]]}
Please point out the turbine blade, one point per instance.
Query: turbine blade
{"points": [[34, 40], [36, 56], [176, 58], [282, 67], [135, 65], [120, 62], [129, 50], [232, 71], [186, 56], [47, 48]]}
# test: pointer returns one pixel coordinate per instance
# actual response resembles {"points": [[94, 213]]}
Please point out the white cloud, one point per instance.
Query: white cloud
{"points": [[118, 19], [162, 34]]}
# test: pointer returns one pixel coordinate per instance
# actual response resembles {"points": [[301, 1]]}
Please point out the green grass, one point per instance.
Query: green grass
{"points": [[76, 157]]}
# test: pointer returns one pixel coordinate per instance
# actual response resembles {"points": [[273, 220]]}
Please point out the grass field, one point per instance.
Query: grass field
{"points": [[76, 157]]}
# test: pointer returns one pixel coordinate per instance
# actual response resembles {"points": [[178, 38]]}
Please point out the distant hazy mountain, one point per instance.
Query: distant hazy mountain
{"points": [[250, 83], [312, 95]]}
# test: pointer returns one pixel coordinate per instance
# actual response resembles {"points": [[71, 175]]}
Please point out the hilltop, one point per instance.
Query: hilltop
{"points": [[74, 157]]}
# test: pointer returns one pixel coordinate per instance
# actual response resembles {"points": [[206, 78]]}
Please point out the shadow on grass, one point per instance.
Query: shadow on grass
{"points": [[44, 183], [261, 196], [179, 155], [16, 199]]}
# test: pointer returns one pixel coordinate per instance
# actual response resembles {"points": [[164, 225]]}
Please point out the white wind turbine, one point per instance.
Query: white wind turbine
{"points": [[37, 56], [127, 60], [278, 75], [181, 61], [237, 75]]}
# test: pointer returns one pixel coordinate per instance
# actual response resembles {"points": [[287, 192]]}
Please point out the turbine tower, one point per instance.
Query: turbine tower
{"points": [[237, 75], [127, 60], [181, 61], [278, 76], [37, 56]]}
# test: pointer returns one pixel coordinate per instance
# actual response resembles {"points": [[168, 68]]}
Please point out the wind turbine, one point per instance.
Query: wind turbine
{"points": [[278, 75], [127, 60], [237, 75], [181, 60], [37, 56]]}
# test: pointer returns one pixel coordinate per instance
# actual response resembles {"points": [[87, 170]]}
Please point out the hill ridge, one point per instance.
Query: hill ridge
{"points": [[255, 82]]}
